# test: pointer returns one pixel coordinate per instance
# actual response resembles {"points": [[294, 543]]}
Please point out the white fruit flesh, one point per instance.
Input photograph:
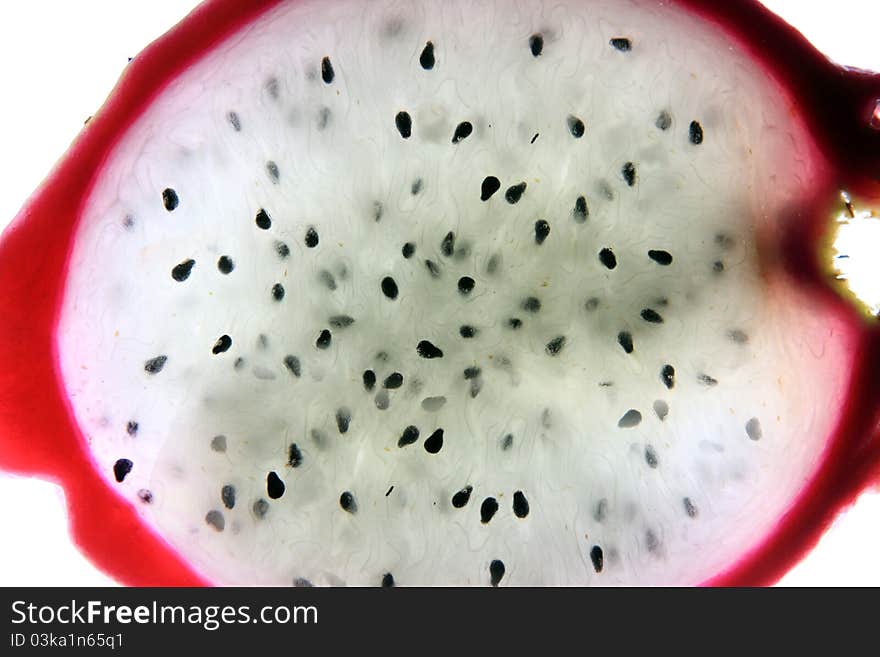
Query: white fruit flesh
{"points": [[706, 469]]}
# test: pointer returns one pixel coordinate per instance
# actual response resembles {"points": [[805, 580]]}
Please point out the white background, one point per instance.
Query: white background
{"points": [[58, 61]]}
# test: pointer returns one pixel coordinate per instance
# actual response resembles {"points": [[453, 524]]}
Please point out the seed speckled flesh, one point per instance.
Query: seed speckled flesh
{"points": [[341, 285]]}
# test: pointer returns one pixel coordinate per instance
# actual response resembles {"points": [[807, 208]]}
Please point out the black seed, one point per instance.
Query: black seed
{"points": [[695, 133], [462, 131], [660, 257], [507, 442], [292, 363], [128, 221], [260, 508], [472, 373], [536, 44], [369, 379], [393, 381], [496, 572], [667, 376], [591, 304], [341, 321], [432, 404], [462, 497], [327, 73], [302, 583], [718, 266], [378, 210], [601, 510], [607, 258], [575, 126], [542, 231], [323, 120], [581, 212], [447, 246], [388, 578], [597, 558], [224, 342], [651, 541], [218, 443], [311, 237], [651, 316], [323, 341], [488, 509], [389, 287], [738, 336], [466, 331], [234, 121], [434, 442], [514, 193], [239, 363], [625, 340], [282, 250], [651, 457], [155, 365], [409, 436], [426, 59], [404, 124], [131, 428], [628, 171], [466, 284], [263, 220], [621, 43], [724, 241], [490, 185], [294, 456], [271, 87], [689, 507], [416, 187], [535, 137], [520, 505], [346, 501], [664, 120], [426, 349], [182, 271], [707, 380], [555, 345], [327, 279], [546, 418], [493, 263], [225, 265], [227, 495], [433, 268], [661, 408], [170, 199], [514, 323], [408, 250], [475, 387], [753, 429], [630, 419], [215, 519], [343, 419], [272, 170], [274, 486], [121, 469], [145, 496], [278, 291], [388, 492]]}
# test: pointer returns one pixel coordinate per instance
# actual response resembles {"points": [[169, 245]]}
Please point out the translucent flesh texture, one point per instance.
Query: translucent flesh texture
{"points": [[338, 154]]}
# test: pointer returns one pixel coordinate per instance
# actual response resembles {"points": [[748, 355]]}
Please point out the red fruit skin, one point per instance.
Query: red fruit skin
{"points": [[38, 432]]}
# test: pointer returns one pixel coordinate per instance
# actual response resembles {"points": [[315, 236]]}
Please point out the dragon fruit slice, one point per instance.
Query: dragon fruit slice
{"points": [[450, 293]]}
